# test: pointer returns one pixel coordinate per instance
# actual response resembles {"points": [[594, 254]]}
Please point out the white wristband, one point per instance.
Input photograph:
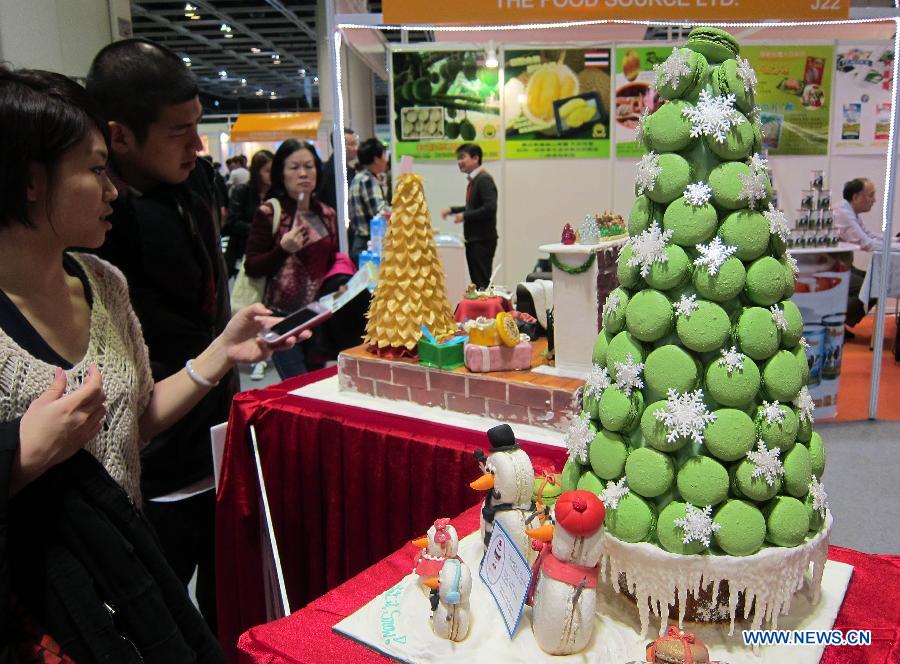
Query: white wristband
{"points": [[197, 378]]}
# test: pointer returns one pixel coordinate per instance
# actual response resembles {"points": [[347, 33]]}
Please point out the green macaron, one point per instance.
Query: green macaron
{"points": [[590, 404], [797, 471], [790, 337], [590, 482], [675, 175], [738, 142], [787, 521], [607, 454], [781, 434], [643, 213], [668, 130], [623, 345], [804, 429], [816, 447], [629, 276], [649, 316], [803, 362], [725, 285], [726, 80], [757, 334], [702, 481], [683, 85], [742, 528], [715, 44], [755, 488], [736, 389], [766, 281], [601, 345], [671, 273], [547, 492], [748, 231], [816, 518], [729, 182], [705, 329], [670, 535], [656, 433], [730, 436], [614, 311], [781, 376], [650, 472], [571, 472], [690, 224], [632, 520], [670, 367], [618, 411]]}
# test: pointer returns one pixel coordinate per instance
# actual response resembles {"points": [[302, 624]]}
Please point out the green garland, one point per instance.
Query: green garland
{"points": [[578, 269]]}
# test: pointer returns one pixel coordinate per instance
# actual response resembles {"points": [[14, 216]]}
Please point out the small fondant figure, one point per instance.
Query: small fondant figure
{"points": [[677, 647], [450, 614], [568, 235], [438, 545]]}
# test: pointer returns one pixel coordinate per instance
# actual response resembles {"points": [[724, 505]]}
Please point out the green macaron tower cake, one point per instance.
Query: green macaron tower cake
{"points": [[696, 428]]}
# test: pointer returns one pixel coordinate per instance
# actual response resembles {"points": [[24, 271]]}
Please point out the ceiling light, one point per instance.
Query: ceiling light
{"points": [[225, 28], [259, 93], [186, 60], [228, 35], [275, 56], [243, 82], [188, 7], [195, 17], [223, 74], [491, 61], [302, 73], [273, 96], [215, 102], [254, 49], [315, 80]]}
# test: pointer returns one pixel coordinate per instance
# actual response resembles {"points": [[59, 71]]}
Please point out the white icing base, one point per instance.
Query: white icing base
{"points": [[768, 579]]}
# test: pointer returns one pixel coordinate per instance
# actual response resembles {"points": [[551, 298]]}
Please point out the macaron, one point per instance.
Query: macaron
{"points": [[725, 285], [571, 472], [684, 86], [671, 273], [671, 536], [730, 436], [725, 80], [781, 377], [756, 333], [781, 434], [670, 367], [650, 472], [614, 311], [738, 143], [649, 316], [643, 213], [702, 481], [619, 412], [601, 345], [547, 492], [675, 175], [668, 130], [623, 345], [701, 159], [590, 482], [800, 353], [736, 389], [590, 404], [715, 44], [742, 528], [633, 519], [727, 181], [705, 329], [797, 471], [804, 429], [787, 521], [655, 432], [766, 282], [816, 518], [757, 134], [789, 291], [790, 337], [748, 231], [816, 447], [754, 488], [690, 224], [629, 276], [607, 454]]}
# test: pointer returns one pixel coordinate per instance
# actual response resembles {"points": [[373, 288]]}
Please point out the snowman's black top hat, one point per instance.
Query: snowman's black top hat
{"points": [[502, 438]]}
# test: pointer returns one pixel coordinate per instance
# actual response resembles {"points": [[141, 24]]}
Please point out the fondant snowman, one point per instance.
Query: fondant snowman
{"points": [[450, 614], [509, 480], [563, 591], [440, 543]]}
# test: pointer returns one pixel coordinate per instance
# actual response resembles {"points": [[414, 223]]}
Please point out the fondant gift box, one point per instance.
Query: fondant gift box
{"points": [[481, 359]]}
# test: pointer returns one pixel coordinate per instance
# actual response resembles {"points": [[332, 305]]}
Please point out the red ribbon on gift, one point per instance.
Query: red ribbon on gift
{"points": [[675, 634]]}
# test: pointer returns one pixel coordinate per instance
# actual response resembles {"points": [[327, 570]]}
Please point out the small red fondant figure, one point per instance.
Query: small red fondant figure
{"points": [[568, 235]]}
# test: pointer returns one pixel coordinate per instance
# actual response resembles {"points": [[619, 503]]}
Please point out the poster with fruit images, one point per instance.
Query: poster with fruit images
{"points": [[556, 103], [443, 99], [863, 74], [793, 94]]}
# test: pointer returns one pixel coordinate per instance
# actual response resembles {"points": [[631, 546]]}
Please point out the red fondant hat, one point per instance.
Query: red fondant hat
{"points": [[580, 512]]}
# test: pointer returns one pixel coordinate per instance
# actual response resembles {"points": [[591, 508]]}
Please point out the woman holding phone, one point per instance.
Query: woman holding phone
{"points": [[77, 399]]}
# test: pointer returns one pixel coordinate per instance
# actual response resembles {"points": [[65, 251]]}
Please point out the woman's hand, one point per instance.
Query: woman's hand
{"points": [[56, 426], [241, 340], [295, 239]]}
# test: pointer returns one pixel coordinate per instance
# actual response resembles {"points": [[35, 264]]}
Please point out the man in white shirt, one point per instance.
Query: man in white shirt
{"points": [[859, 197]]}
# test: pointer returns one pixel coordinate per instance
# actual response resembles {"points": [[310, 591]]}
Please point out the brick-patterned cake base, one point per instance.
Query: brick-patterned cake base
{"points": [[510, 396]]}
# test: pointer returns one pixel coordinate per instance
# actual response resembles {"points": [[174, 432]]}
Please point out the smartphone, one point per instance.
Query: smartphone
{"points": [[303, 319]]}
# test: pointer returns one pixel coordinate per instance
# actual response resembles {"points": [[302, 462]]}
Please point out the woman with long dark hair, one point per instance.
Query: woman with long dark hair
{"points": [[242, 204]]}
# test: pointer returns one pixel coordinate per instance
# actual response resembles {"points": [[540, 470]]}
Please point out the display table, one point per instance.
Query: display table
{"points": [[306, 636], [872, 283], [346, 487]]}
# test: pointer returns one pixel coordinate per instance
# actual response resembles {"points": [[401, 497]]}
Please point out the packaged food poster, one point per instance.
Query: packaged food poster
{"points": [[863, 73]]}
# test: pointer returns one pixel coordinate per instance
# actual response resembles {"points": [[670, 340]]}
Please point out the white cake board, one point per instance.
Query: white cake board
{"points": [[560, 372], [404, 632], [329, 390]]}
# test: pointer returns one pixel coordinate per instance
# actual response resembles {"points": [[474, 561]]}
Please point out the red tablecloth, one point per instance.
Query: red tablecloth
{"points": [[306, 636], [346, 487], [488, 307]]}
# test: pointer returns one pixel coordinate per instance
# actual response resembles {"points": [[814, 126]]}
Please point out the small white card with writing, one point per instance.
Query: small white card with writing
{"points": [[507, 576]]}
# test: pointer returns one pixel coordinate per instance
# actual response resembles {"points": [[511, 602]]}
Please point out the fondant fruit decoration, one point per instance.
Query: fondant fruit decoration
{"points": [[547, 84], [507, 328], [631, 64]]}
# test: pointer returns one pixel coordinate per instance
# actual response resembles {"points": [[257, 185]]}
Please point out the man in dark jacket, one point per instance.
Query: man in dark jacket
{"points": [[165, 239], [328, 188], [478, 216]]}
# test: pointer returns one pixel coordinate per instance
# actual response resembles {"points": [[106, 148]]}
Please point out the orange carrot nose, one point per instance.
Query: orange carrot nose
{"points": [[421, 542], [432, 582], [541, 533], [483, 483]]}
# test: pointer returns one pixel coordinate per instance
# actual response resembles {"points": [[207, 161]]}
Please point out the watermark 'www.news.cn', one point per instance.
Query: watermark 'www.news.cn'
{"points": [[807, 637]]}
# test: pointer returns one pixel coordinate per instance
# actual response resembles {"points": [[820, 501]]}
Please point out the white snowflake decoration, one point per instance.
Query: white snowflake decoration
{"points": [[649, 247], [731, 359], [579, 437], [648, 170], [805, 405], [613, 493], [628, 375], [773, 412], [778, 223], [795, 267], [641, 126], [671, 71], [712, 255], [685, 415], [697, 524], [747, 75], [686, 305], [698, 194], [597, 382], [612, 303], [804, 343], [755, 115], [767, 463], [779, 318], [819, 497], [713, 116], [758, 163], [753, 187]]}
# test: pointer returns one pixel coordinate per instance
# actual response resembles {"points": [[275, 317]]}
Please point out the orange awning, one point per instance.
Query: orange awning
{"points": [[275, 126]]}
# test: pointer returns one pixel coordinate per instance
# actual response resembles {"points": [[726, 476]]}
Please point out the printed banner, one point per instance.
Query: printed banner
{"points": [[443, 99], [635, 93], [862, 79], [556, 104]]}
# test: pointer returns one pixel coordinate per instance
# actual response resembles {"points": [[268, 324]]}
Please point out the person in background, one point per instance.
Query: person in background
{"points": [[239, 174], [859, 197], [366, 197], [242, 205], [329, 181], [165, 239], [219, 187], [478, 216]]}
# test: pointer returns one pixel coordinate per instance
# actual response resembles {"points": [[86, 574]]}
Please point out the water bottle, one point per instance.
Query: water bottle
{"points": [[368, 255], [377, 229]]}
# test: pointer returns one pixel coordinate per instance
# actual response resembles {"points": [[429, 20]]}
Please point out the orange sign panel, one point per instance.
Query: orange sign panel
{"points": [[506, 12]]}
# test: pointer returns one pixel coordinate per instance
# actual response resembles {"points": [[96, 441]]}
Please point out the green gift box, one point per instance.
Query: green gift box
{"points": [[445, 357]]}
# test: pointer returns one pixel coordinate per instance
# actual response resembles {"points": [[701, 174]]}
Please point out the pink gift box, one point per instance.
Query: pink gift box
{"points": [[480, 359]]}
